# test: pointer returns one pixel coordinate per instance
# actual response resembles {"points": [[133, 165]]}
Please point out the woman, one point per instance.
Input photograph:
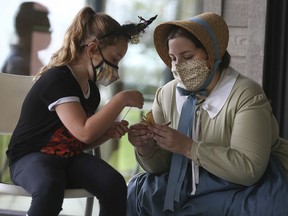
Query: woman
{"points": [[214, 146], [58, 120]]}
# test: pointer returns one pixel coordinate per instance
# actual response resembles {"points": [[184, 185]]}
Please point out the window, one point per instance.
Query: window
{"points": [[142, 68], [61, 14]]}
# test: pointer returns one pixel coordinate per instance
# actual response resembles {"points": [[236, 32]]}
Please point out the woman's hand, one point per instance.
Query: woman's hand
{"points": [[141, 138], [171, 139], [117, 130]]}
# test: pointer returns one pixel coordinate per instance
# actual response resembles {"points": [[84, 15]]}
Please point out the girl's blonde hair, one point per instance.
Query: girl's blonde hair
{"points": [[87, 25]]}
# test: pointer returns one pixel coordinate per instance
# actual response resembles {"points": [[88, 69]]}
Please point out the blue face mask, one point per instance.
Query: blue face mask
{"points": [[105, 72]]}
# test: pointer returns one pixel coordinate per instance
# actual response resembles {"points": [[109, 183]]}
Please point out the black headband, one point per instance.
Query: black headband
{"points": [[132, 29]]}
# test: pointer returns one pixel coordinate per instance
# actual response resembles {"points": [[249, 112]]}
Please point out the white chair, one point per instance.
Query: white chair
{"points": [[13, 89]]}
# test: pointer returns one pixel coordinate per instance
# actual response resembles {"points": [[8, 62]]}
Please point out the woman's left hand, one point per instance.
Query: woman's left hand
{"points": [[117, 130], [171, 139]]}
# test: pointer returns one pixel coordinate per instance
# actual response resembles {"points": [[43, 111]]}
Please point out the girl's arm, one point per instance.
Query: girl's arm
{"points": [[91, 129]]}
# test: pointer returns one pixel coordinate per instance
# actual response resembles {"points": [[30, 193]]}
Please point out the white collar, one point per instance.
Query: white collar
{"points": [[217, 98]]}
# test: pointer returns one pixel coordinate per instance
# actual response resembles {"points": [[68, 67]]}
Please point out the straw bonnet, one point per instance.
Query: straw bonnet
{"points": [[209, 28]]}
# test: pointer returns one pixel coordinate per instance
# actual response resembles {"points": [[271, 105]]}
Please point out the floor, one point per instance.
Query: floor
{"points": [[18, 206]]}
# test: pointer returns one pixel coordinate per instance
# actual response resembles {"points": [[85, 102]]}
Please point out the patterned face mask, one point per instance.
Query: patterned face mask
{"points": [[191, 74], [105, 73]]}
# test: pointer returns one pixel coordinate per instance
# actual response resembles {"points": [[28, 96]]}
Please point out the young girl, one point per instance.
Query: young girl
{"points": [[58, 119]]}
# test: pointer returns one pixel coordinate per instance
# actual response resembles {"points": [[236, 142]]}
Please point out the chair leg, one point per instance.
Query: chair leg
{"points": [[3, 169], [89, 206]]}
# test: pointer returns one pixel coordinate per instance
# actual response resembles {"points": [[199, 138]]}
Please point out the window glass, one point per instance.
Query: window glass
{"points": [[142, 68]]}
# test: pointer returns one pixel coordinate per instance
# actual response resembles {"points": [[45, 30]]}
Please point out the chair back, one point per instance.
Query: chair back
{"points": [[13, 90]]}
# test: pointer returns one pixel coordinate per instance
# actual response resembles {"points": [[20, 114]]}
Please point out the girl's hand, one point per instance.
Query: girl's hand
{"points": [[133, 98], [117, 130], [171, 139]]}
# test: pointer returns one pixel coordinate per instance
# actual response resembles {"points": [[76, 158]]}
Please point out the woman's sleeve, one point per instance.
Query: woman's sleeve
{"points": [[250, 135], [159, 161]]}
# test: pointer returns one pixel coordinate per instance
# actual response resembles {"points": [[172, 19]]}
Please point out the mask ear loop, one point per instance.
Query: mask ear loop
{"points": [[94, 71], [106, 61], [94, 78]]}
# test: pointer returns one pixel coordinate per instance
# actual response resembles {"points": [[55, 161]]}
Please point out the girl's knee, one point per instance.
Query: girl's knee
{"points": [[48, 192], [46, 202], [113, 187], [119, 183]]}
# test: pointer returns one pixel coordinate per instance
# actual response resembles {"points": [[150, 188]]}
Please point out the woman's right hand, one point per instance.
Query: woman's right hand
{"points": [[141, 138], [132, 98]]}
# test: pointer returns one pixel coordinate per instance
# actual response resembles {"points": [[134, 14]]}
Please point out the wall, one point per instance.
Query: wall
{"points": [[246, 21]]}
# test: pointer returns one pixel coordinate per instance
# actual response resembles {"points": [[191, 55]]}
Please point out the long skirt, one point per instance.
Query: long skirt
{"points": [[214, 196]]}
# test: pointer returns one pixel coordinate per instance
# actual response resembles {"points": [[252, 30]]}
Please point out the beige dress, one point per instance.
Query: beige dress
{"points": [[237, 131], [234, 171]]}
